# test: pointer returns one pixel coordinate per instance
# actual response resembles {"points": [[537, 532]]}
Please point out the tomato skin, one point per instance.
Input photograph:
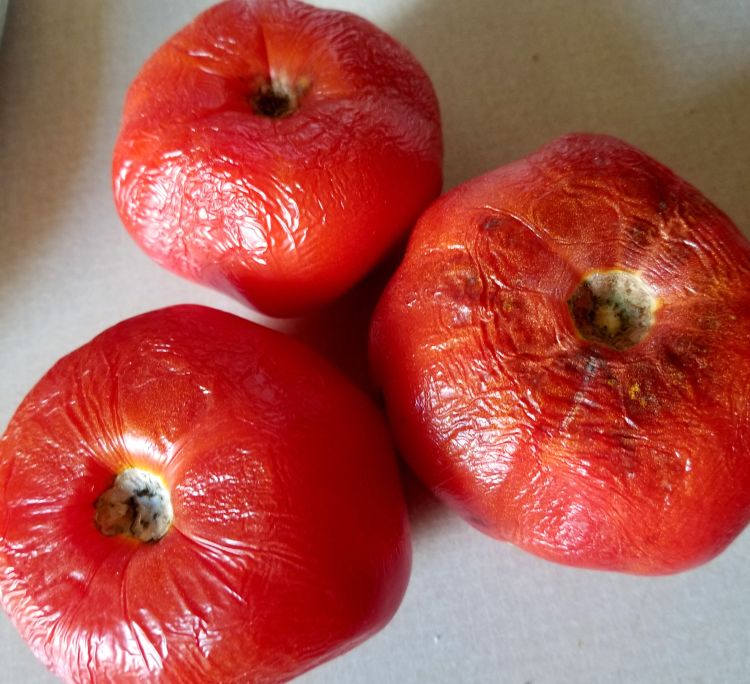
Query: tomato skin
{"points": [[289, 212], [290, 538], [632, 460]]}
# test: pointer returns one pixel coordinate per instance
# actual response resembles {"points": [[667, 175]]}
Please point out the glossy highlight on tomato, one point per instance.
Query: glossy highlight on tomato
{"points": [[565, 357], [276, 151], [288, 543]]}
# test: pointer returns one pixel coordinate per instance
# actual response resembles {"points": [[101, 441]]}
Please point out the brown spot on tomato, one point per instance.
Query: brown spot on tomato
{"points": [[642, 234], [686, 354], [709, 323], [629, 443], [459, 281]]}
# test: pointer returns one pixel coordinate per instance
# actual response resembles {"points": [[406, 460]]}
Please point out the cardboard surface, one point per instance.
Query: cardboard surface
{"points": [[672, 77]]}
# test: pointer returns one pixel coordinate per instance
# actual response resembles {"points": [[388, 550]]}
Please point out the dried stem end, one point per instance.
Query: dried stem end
{"points": [[276, 98], [613, 308], [137, 505]]}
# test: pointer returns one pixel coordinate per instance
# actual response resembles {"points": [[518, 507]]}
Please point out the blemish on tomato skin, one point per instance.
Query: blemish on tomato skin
{"points": [[459, 280], [709, 323], [686, 355], [638, 396], [642, 234], [491, 223]]}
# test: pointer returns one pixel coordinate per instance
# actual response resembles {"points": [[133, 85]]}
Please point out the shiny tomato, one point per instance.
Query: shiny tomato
{"points": [[565, 356], [191, 497], [276, 151]]}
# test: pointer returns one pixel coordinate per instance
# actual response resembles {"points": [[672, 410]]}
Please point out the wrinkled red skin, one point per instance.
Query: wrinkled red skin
{"points": [[286, 213], [632, 460], [290, 540]]}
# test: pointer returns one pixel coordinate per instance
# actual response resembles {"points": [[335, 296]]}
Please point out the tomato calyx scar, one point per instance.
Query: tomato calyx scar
{"points": [[276, 98], [137, 505], [613, 308]]}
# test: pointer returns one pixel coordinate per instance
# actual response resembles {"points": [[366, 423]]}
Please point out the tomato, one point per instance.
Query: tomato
{"points": [[565, 356], [288, 540], [276, 151]]}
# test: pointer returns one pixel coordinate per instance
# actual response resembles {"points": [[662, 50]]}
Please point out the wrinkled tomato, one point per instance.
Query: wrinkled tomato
{"points": [[565, 356], [193, 498], [276, 151]]}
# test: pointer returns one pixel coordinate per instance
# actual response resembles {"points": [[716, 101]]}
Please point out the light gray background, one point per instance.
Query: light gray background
{"points": [[671, 76]]}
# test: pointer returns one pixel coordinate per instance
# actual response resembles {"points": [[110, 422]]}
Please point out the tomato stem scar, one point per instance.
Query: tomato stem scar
{"points": [[274, 99], [137, 505], [613, 308]]}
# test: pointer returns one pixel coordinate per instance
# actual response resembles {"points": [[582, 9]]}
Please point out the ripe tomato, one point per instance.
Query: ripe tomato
{"points": [[276, 151], [289, 539], [565, 356]]}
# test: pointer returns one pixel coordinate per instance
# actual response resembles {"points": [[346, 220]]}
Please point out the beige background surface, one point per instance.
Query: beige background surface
{"points": [[671, 76]]}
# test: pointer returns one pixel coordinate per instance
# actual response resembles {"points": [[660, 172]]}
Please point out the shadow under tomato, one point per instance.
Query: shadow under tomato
{"points": [[340, 331], [424, 507]]}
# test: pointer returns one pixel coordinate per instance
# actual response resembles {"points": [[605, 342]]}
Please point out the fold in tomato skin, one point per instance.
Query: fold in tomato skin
{"points": [[285, 212], [632, 459], [290, 536]]}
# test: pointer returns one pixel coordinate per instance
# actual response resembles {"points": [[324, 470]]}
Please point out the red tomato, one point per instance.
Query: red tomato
{"points": [[565, 356], [276, 151], [289, 541]]}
